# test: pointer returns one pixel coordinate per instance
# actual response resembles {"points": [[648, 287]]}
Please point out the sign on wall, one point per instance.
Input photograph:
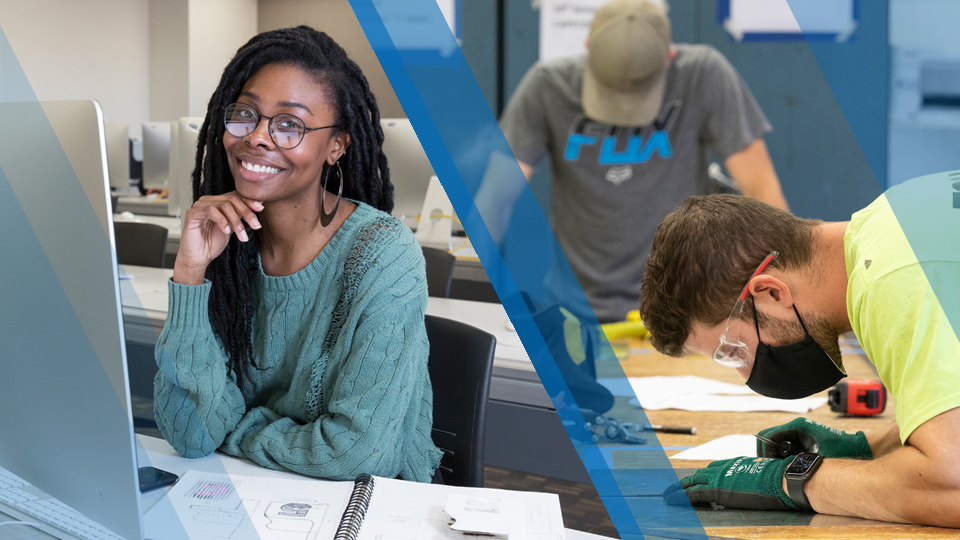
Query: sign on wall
{"points": [[565, 25]]}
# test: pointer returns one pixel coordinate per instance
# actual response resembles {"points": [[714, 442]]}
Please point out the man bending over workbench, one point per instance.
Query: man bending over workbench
{"points": [[891, 275]]}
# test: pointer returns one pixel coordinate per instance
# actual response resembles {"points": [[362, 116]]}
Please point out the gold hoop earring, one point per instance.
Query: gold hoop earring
{"points": [[325, 218]]}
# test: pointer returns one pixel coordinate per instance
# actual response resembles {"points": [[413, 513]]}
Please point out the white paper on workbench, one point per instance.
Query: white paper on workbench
{"points": [[693, 393], [729, 447]]}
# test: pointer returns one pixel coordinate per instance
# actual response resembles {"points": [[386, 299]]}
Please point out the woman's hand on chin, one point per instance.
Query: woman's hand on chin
{"points": [[207, 227]]}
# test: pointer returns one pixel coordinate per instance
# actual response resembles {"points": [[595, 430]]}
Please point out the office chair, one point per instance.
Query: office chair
{"points": [[140, 244], [439, 271], [461, 360]]}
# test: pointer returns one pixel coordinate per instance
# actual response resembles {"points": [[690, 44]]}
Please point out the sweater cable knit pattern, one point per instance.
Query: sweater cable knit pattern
{"points": [[356, 265], [341, 385]]}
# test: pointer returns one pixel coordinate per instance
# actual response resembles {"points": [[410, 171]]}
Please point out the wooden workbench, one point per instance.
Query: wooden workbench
{"points": [[638, 360]]}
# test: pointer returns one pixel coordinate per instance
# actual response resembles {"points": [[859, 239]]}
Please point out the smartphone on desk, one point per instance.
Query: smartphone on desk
{"points": [[152, 478]]}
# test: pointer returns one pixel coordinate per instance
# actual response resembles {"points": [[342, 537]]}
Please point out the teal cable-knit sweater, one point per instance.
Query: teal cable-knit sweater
{"points": [[340, 386]]}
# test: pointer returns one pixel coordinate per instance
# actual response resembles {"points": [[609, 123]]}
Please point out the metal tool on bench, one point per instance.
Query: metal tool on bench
{"points": [[681, 430], [606, 429], [784, 448]]}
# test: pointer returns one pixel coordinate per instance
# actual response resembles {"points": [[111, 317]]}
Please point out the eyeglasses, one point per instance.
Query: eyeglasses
{"points": [[286, 130], [732, 352]]}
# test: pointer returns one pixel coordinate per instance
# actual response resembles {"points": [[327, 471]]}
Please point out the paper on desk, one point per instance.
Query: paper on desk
{"points": [[509, 339], [462, 249], [239, 507], [731, 446], [411, 511], [693, 393], [487, 516], [217, 505], [510, 347]]}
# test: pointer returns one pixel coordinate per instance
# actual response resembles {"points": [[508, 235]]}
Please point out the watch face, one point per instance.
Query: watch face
{"points": [[802, 463]]}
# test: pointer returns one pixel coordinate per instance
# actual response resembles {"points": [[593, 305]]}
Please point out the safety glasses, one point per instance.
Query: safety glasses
{"points": [[732, 352]]}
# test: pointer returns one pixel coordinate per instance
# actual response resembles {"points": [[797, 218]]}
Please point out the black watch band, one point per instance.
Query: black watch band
{"points": [[797, 473]]}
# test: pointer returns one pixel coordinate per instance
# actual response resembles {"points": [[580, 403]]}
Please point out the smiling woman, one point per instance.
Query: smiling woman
{"points": [[295, 336]]}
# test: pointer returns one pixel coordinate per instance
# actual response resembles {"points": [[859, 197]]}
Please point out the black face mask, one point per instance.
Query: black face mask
{"points": [[792, 371]]}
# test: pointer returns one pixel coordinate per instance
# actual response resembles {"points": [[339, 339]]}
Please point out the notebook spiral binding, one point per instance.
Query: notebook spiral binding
{"points": [[352, 518]]}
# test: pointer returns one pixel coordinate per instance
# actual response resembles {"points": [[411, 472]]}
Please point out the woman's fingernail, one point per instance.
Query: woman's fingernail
{"points": [[255, 223], [226, 229], [242, 234]]}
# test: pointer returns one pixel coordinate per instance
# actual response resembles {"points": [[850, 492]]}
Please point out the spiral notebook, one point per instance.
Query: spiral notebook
{"points": [[352, 518], [215, 505]]}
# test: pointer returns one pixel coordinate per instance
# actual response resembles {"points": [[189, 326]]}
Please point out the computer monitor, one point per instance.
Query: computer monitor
{"points": [[118, 154], [410, 170], [156, 154], [183, 158], [65, 420]]}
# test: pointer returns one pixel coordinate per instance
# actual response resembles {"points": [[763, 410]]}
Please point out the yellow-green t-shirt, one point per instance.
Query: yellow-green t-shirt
{"points": [[903, 295]]}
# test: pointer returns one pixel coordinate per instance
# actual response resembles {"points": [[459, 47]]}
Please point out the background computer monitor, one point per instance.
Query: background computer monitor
{"points": [[183, 156], [410, 170], [118, 154], [156, 154], [66, 425]]}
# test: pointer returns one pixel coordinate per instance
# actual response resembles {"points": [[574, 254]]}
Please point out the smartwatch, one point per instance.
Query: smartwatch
{"points": [[797, 473]]}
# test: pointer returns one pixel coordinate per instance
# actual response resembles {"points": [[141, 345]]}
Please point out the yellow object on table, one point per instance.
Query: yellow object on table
{"points": [[632, 327]]}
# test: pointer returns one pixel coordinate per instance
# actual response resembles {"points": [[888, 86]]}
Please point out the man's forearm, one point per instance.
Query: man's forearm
{"points": [[526, 169], [903, 486], [768, 192], [499, 192], [753, 173], [883, 441]]}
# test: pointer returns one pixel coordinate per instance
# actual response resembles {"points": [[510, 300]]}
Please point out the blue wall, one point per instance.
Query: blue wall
{"points": [[827, 102], [480, 43]]}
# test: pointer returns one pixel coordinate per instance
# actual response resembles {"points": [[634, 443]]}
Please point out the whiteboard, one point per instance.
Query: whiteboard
{"points": [[565, 26]]}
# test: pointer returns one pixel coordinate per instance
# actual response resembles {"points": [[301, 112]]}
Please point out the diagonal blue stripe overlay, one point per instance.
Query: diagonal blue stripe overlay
{"points": [[512, 237]]}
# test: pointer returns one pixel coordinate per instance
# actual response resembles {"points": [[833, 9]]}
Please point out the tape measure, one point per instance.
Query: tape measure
{"points": [[858, 397]]}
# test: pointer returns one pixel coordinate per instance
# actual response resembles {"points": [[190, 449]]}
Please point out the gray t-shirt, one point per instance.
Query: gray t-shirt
{"points": [[613, 185]]}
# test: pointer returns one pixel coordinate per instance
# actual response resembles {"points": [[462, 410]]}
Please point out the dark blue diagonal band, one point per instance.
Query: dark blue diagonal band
{"points": [[481, 177]]}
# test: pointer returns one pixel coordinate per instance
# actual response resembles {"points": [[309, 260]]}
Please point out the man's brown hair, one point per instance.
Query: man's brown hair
{"points": [[702, 256]]}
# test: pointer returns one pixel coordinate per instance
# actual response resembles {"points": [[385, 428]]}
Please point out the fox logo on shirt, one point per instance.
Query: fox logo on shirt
{"points": [[642, 142]]}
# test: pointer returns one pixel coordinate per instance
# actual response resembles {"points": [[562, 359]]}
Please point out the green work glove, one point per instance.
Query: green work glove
{"points": [[750, 483], [815, 438]]}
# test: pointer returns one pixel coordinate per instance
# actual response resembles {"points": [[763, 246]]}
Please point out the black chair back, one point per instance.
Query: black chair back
{"points": [[439, 271], [140, 244], [461, 361]]}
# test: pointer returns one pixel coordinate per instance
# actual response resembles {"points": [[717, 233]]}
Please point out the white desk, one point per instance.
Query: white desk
{"points": [[158, 453], [142, 205]]}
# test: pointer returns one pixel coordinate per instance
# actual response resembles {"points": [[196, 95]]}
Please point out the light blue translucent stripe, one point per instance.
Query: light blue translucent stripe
{"points": [[925, 208], [38, 260]]}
